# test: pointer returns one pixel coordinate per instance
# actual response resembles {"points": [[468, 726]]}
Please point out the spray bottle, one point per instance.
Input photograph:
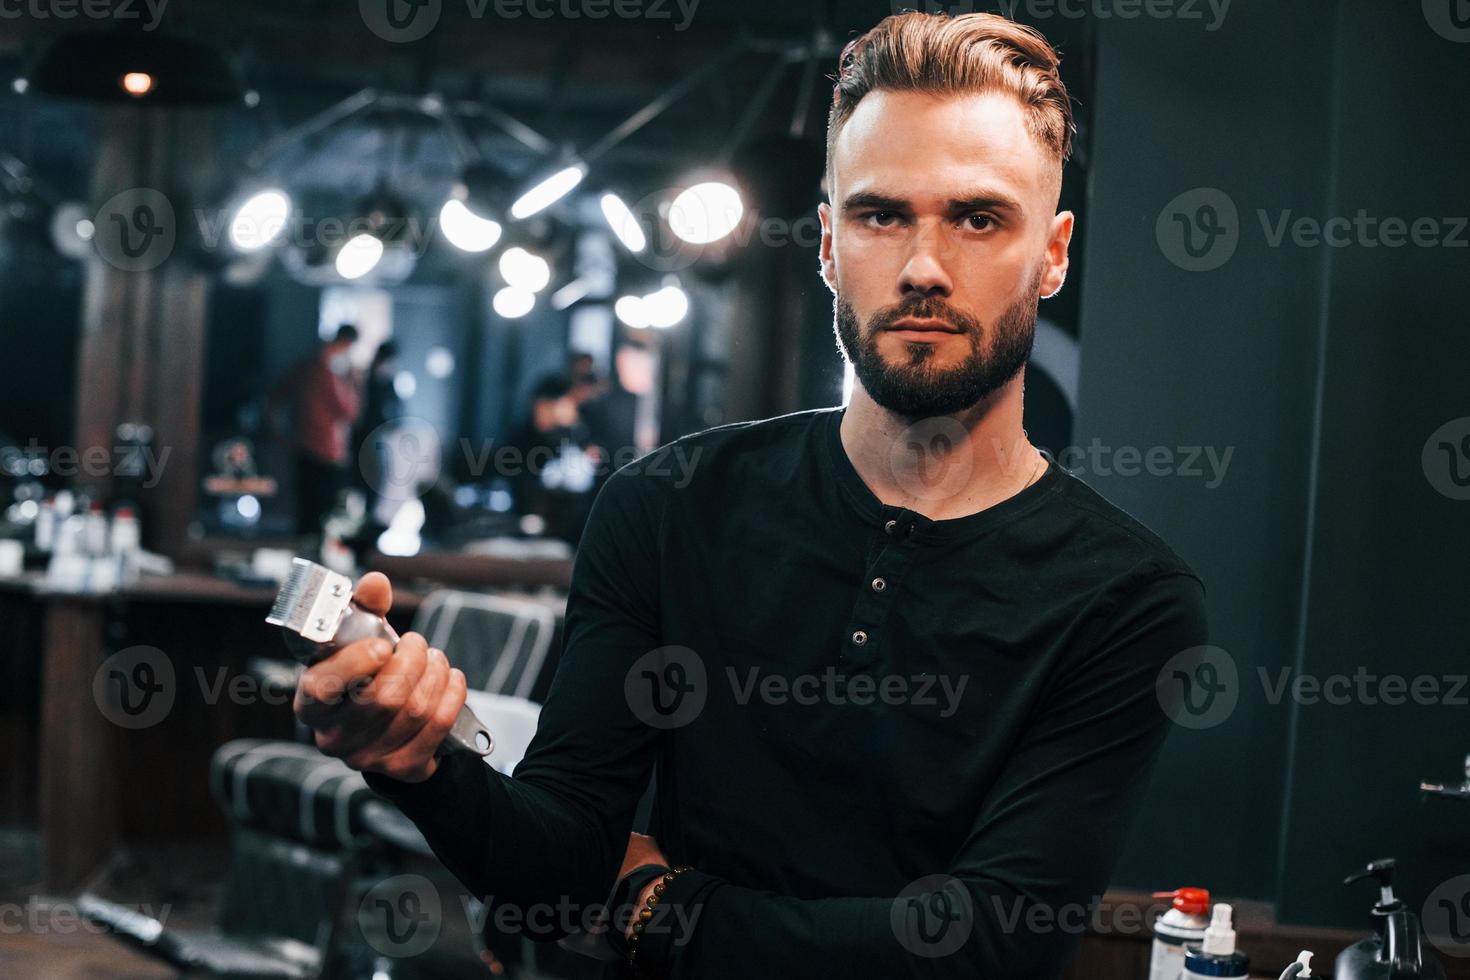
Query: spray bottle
{"points": [[1216, 957], [1184, 923]]}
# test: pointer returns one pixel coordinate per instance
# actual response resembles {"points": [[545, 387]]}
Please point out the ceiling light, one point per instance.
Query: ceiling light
{"points": [[134, 66], [623, 223], [630, 309], [512, 302], [259, 220], [706, 212], [548, 191], [465, 229], [359, 255], [523, 270], [666, 306]]}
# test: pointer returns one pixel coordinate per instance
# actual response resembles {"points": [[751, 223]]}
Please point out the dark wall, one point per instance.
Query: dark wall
{"points": [[1322, 370], [1387, 580]]}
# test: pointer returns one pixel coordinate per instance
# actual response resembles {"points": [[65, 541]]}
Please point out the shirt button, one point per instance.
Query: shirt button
{"points": [[890, 527], [879, 584], [859, 637]]}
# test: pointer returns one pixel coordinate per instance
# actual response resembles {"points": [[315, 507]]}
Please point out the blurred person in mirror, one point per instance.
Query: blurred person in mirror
{"points": [[583, 377], [322, 392], [618, 429], [382, 405], [548, 471]]}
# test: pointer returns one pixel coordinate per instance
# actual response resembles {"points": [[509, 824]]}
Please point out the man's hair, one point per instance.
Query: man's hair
{"points": [[940, 53]]}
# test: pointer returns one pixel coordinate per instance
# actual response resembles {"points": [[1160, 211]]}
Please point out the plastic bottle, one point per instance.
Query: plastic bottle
{"points": [[126, 541], [67, 568], [1184, 923], [95, 531], [46, 526], [1216, 956]]}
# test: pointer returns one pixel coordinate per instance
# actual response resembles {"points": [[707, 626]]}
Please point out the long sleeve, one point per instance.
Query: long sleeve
{"points": [[555, 833], [1015, 900]]}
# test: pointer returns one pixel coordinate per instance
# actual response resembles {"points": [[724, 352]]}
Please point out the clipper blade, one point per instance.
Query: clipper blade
{"points": [[312, 601]]}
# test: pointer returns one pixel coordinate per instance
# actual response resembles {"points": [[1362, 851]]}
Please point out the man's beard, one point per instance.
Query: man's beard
{"points": [[915, 388]]}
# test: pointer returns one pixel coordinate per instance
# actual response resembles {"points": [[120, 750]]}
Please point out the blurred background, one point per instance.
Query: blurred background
{"points": [[397, 285]]}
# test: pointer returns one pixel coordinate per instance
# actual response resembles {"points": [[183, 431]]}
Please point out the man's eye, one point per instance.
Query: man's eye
{"points": [[880, 219], [979, 222]]}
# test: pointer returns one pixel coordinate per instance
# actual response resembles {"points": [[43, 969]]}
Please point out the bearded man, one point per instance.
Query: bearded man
{"points": [[894, 668]]}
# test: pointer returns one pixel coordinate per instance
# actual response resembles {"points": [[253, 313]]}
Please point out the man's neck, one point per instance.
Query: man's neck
{"points": [[947, 466]]}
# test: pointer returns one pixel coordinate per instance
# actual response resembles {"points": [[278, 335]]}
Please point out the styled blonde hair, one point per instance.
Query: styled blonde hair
{"points": [[940, 53]]}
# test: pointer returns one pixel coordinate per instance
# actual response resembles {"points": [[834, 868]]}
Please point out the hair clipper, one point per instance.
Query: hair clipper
{"points": [[316, 610]]}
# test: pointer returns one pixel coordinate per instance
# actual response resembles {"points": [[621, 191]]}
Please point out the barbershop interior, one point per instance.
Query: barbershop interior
{"points": [[295, 291]]}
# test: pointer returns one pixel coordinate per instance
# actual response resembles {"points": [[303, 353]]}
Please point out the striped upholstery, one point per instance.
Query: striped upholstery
{"points": [[291, 790], [505, 644]]}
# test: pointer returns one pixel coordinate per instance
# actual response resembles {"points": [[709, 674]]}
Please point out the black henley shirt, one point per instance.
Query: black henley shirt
{"points": [[888, 746]]}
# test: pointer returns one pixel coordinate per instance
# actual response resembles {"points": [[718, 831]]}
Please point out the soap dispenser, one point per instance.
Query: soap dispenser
{"points": [[1302, 968], [1395, 950]]}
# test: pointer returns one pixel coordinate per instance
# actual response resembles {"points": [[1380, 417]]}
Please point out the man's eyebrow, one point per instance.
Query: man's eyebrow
{"points": [[983, 200], [877, 202]]}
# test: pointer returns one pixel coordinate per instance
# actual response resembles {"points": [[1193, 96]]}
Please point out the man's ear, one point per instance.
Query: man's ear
{"points": [[829, 266], [1056, 255]]}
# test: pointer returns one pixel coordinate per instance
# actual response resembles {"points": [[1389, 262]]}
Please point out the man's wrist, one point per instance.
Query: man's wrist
{"points": [[640, 901], [627, 899], [665, 923]]}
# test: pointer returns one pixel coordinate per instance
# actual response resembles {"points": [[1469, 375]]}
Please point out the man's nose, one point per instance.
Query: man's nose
{"points": [[924, 273]]}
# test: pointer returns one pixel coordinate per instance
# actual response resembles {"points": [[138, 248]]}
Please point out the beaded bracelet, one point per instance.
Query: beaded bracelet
{"points": [[646, 913]]}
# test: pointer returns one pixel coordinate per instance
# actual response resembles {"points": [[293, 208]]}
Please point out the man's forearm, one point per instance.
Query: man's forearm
{"points": [[950, 927], [518, 842]]}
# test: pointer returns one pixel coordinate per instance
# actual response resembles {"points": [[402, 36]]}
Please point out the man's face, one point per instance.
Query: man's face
{"points": [[941, 237]]}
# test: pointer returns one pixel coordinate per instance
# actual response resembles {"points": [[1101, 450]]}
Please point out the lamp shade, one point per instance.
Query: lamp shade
{"points": [[135, 66]]}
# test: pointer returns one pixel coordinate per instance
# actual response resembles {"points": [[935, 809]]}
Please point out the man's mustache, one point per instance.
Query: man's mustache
{"points": [[924, 308]]}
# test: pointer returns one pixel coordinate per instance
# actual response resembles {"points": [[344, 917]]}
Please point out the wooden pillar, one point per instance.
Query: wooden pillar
{"points": [[78, 816], [144, 312], [145, 307]]}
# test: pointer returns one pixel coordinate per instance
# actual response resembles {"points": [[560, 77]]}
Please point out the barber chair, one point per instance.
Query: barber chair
{"points": [[309, 839]]}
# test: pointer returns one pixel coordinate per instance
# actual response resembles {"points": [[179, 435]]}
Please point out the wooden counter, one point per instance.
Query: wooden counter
{"points": [[89, 783]]}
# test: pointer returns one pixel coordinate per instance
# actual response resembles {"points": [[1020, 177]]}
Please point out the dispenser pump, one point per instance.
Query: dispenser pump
{"points": [[1220, 936], [1380, 871], [1395, 949]]}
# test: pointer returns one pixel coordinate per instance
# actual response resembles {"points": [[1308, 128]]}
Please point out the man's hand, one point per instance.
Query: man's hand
{"points": [[378, 708], [642, 849]]}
